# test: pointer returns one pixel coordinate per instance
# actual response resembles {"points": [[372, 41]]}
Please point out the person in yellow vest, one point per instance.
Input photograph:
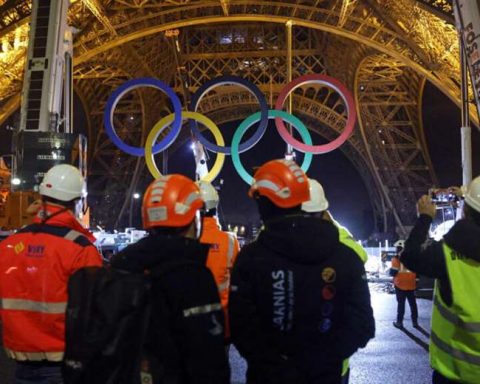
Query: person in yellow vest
{"points": [[318, 206], [455, 264], [405, 283], [223, 247]]}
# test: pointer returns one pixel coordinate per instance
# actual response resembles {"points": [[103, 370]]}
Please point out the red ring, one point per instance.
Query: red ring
{"points": [[332, 83]]}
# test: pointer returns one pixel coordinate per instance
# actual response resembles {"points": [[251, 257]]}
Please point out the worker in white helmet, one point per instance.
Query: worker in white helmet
{"points": [[454, 262], [318, 206], [35, 266]]}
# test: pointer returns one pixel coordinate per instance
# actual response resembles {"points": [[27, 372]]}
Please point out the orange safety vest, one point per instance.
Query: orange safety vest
{"points": [[221, 257], [405, 279], [35, 265]]}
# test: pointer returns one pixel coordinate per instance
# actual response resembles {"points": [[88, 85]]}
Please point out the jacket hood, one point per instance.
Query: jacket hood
{"points": [[156, 249], [301, 239], [464, 237]]}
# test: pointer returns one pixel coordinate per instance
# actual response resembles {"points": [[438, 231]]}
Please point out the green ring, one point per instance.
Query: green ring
{"points": [[252, 119]]}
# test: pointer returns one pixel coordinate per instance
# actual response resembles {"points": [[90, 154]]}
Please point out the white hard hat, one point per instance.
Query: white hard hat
{"points": [[318, 202], [63, 182], [209, 194], [472, 197], [399, 243]]}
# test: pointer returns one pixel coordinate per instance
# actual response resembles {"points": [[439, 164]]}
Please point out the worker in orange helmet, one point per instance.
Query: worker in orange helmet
{"points": [[299, 299], [223, 247], [35, 265], [186, 338]]}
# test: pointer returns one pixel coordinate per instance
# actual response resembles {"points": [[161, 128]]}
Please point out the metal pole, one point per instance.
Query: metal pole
{"points": [[466, 130], [130, 214], [165, 162], [289, 25]]}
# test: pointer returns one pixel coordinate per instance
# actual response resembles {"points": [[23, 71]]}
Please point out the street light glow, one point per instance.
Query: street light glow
{"points": [[136, 195], [16, 181]]}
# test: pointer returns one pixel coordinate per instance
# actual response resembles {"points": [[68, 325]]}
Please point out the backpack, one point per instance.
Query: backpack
{"points": [[106, 324]]}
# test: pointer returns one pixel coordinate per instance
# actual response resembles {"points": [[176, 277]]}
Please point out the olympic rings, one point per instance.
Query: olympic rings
{"points": [[176, 118], [118, 94], [245, 84], [160, 126], [252, 119], [337, 86]]}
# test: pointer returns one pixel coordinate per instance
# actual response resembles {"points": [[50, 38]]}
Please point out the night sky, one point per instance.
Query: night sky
{"points": [[344, 188]]}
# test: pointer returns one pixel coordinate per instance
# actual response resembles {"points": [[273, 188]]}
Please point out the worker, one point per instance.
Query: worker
{"points": [[454, 262], [317, 206], [187, 341], [223, 247], [35, 266], [299, 300], [405, 284]]}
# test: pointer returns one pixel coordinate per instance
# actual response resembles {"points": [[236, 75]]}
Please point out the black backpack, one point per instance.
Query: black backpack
{"points": [[106, 324]]}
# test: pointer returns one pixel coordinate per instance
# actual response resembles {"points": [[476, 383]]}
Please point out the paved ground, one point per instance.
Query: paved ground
{"points": [[393, 357]]}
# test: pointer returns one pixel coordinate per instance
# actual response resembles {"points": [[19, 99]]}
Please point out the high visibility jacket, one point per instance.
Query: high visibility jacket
{"points": [[404, 279], [347, 239], [221, 257], [455, 334], [35, 264]]}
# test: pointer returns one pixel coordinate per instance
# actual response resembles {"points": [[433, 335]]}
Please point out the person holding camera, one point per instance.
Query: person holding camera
{"points": [[455, 264]]}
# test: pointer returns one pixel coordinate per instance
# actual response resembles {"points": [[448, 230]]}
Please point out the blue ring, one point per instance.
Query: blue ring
{"points": [[118, 94], [262, 126]]}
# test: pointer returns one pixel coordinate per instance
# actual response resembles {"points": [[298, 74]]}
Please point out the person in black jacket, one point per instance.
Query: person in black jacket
{"points": [[185, 337], [299, 300]]}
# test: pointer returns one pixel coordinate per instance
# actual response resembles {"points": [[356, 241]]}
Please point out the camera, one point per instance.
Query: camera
{"points": [[442, 196]]}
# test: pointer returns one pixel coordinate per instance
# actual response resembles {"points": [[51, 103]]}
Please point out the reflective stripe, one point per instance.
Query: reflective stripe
{"points": [[202, 309], [267, 184], [35, 306], [456, 353], [223, 286], [455, 320], [191, 198], [72, 235], [34, 356]]}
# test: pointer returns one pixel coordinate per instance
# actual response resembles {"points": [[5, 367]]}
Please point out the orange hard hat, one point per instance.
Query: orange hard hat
{"points": [[281, 181], [170, 201]]}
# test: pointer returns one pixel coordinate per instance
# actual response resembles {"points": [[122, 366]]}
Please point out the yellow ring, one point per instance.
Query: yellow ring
{"points": [[167, 120]]}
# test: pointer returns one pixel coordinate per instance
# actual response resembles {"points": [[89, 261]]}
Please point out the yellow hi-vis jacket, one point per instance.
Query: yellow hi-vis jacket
{"points": [[346, 238], [455, 334]]}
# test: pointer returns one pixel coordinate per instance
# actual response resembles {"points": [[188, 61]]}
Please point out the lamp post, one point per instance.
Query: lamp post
{"points": [[135, 196]]}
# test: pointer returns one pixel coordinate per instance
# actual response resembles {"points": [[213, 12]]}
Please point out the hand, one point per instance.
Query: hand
{"points": [[426, 207], [457, 191]]}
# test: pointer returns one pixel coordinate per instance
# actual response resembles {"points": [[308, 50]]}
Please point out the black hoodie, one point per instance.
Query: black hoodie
{"points": [[463, 237], [299, 303], [186, 329]]}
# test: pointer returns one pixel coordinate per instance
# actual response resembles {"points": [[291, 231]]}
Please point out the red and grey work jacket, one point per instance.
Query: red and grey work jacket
{"points": [[35, 264]]}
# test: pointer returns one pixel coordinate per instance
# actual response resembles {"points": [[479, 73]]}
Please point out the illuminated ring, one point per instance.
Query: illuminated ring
{"points": [[160, 126], [343, 92], [213, 83], [127, 87], [252, 119]]}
